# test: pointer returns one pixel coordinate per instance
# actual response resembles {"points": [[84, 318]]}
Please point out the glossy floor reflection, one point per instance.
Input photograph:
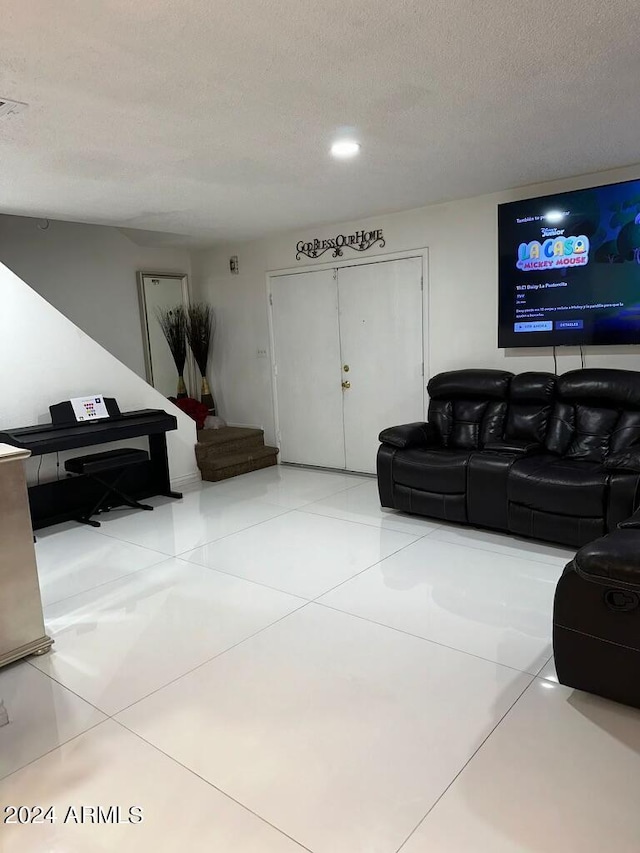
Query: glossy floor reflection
{"points": [[277, 664]]}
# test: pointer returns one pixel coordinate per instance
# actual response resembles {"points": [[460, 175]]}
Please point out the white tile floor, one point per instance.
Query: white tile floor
{"points": [[275, 664]]}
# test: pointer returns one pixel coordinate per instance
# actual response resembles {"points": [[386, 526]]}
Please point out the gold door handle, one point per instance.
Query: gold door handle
{"points": [[346, 385]]}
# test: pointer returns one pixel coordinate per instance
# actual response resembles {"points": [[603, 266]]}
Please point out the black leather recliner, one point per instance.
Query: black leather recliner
{"points": [[585, 481], [596, 617], [422, 468], [553, 458]]}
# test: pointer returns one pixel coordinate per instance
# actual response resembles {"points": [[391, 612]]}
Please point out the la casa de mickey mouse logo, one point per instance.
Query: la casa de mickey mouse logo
{"points": [[553, 253]]}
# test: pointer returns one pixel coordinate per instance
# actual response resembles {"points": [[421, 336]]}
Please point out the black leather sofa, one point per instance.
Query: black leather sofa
{"points": [[596, 617], [549, 457]]}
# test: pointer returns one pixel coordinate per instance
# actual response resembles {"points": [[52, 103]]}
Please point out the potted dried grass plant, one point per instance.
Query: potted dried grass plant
{"points": [[200, 330], [173, 322]]}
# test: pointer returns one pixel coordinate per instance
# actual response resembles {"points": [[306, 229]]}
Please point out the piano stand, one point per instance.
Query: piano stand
{"points": [[113, 460], [110, 488]]}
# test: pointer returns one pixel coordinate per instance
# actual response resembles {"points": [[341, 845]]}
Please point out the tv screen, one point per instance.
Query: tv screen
{"points": [[569, 268]]}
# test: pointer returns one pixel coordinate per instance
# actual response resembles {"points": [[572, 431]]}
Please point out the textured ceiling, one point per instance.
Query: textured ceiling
{"points": [[213, 119]]}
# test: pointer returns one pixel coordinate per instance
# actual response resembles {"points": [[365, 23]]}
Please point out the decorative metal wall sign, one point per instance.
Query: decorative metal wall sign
{"points": [[359, 242]]}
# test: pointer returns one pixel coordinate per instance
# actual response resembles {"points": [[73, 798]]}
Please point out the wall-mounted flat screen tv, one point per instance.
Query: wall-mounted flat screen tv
{"points": [[569, 268]]}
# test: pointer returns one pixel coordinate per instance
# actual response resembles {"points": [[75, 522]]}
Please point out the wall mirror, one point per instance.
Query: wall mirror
{"points": [[160, 291]]}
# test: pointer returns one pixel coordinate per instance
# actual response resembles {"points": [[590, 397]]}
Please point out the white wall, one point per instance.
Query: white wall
{"points": [[89, 273], [461, 238], [46, 359]]}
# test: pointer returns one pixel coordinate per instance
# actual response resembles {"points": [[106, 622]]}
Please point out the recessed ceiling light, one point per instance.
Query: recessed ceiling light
{"points": [[345, 148]]}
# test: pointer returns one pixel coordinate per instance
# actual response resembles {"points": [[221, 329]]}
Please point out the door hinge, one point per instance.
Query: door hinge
{"points": [[335, 274], [275, 369], [271, 299], [423, 368], [422, 282]]}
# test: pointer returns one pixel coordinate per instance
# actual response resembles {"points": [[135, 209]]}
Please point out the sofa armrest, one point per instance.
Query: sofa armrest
{"points": [[508, 445], [613, 559], [626, 460], [410, 435]]}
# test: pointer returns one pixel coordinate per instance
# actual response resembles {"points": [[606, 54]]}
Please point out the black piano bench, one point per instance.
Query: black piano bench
{"points": [[95, 465]]}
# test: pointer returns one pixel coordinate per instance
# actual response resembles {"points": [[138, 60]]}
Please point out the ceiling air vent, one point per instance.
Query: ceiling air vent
{"points": [[8, 108]]}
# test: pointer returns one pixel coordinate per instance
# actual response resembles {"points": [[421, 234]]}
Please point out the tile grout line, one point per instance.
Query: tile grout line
{"points": [[186, 563], [228, 574], [314, 600], [57, 746], [530, 559], [439, 528], [108, 716], [297, 594], [163, 559], [302, 508], [210, 784], [285, 511], [210, 542], [250, 636], [428, 640], [466, 764], [64, 686], [166, 558], [366, 569], [285, 616], [317, 601], [166, 755], [307, 511], [180, 556], [416, 536], [209, 660], [545, 664]]}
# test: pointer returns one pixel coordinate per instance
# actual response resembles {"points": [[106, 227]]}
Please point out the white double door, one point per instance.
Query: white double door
{"points": [[348, 360]]}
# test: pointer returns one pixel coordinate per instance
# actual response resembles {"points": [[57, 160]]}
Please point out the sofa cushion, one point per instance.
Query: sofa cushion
{"points": [[472, 384], [432, 504], [468, 407], [572, 530], [601, 386], [562, 486], [626, 432], [442, 471], [530, 399], [597, 411]]}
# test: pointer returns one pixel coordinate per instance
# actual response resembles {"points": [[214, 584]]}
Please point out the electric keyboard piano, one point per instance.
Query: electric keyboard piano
{"points": [[66, 498]]}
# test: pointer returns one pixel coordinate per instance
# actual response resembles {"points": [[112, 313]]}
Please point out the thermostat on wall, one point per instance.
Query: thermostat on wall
{"points": [[89, 408]]}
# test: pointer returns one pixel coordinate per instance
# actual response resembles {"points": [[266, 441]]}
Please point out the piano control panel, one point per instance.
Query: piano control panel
{"points": [[89, 408]]}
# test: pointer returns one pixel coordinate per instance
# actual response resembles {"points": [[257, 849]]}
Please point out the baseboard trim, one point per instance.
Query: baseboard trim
{"points": [[179, 484], [333, 470]]}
